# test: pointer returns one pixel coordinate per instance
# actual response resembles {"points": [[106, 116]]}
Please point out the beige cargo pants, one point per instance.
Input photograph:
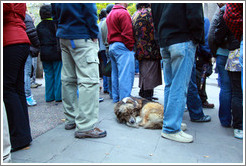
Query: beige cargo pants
{"points": [[80, 70]]}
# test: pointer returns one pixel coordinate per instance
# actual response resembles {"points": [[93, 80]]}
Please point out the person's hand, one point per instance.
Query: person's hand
{"points": [[94, 40]]}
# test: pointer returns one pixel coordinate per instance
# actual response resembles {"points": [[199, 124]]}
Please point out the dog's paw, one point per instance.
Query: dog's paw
{"points": [[138, 119]]}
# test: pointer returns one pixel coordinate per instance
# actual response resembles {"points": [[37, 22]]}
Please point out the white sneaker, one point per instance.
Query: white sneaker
{"points": [[238, 133], [179, 136], [183, 126]]}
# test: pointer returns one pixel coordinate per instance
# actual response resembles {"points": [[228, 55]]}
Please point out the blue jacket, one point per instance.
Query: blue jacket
{"points": [[205, 46], [75, 20]]}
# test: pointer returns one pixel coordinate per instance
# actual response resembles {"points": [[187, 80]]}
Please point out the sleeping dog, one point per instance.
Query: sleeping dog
{"points": [[136, 112]]}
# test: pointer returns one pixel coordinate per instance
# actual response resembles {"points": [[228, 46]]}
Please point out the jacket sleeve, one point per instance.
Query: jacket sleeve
{"points": [[204, 48], [127, 30], [31, 32], [211, 37], [155, 10], [91, 19], [195, 18], [221, 30]]}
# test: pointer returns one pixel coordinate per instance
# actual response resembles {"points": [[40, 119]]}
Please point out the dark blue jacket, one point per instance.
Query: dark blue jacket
{"points": [[75, 20]]}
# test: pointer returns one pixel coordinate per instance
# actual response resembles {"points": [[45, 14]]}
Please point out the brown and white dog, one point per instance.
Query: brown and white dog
{"points": [[136, 112]]}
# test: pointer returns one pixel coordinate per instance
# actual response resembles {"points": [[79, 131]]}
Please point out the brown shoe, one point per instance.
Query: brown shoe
{"points": [[206, 104], [70, 126], [94, 133]]}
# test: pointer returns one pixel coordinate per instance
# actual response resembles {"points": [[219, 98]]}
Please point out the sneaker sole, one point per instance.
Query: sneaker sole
{"points": [[171, 138]]}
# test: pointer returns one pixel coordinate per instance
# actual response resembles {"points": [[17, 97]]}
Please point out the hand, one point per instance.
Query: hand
{"points": [[94, 40]]}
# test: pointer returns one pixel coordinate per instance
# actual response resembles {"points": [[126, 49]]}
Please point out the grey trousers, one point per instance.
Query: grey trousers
{"points": [[80, 70]]}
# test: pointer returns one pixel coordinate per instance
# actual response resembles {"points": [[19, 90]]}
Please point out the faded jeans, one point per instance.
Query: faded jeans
{"points": [[178, 60], [27, 77], [123, 70]]}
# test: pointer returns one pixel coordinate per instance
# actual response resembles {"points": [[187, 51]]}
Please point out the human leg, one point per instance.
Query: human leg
{"points": [[194, 102], [225, 92], [69, 83], [114, 74], [87, 72], [104, 61], [126, 70], [57, 66], [49, 81], [237, 99], [178, 61], [14, 57], [28, 68], [34, 64]]}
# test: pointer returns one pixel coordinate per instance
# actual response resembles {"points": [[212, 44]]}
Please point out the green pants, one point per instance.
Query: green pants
{"points": [[80, 70]]}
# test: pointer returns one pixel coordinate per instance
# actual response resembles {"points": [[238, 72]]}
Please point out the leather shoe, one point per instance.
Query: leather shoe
{"points": [[205, 118], [206, 104]]}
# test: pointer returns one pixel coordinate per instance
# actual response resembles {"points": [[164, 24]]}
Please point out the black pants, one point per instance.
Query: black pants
{"points": [[14, 58], [202, 92], [147, 94], [237, 100]]}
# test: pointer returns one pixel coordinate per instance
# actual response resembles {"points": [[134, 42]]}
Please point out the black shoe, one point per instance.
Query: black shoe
{"points": [[106, 92], [155, 98], [206, 104], [19, 148], [205, 118], [70, 126]]}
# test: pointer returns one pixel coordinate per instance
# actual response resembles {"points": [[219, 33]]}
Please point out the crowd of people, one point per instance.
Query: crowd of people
{"points": [[72, 44]]}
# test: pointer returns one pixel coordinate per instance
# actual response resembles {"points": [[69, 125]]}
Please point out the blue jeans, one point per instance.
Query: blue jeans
{"points": [[194, 102], [27, 77], [178, 60], [241, 62], [123, 70], [52, 72], [225, 92], [34, 64]]}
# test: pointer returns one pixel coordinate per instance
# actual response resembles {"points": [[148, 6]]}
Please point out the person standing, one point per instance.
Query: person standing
{"points": [[78, 32], [50, 54], [104, 31], [226, 42], [34, 51], [16, 48], [180, 27], [203, 61], [147, 51], [121, 42], [102, 49], [233, 17]]}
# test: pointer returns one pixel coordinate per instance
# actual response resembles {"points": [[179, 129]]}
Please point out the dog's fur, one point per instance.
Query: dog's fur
{"points": [[136, 112]]}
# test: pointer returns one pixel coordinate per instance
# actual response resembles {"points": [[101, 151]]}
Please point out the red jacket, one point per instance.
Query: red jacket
{"points": [[119, 25], [14, 29]]}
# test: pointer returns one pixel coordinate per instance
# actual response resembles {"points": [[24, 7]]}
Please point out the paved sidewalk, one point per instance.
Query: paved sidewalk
{"points": [[53, 144]]}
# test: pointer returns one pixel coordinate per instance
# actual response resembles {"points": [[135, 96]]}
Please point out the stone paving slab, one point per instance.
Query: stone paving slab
{"points": [[212, 142]]}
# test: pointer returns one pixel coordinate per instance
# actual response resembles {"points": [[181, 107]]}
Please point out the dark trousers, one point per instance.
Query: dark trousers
{"points": [[236, 100], [14, 58], [202, 92], [147, 94], [193, 102]]}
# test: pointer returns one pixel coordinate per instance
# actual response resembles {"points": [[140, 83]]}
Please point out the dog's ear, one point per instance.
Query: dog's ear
{"points": [[138, 103]]}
